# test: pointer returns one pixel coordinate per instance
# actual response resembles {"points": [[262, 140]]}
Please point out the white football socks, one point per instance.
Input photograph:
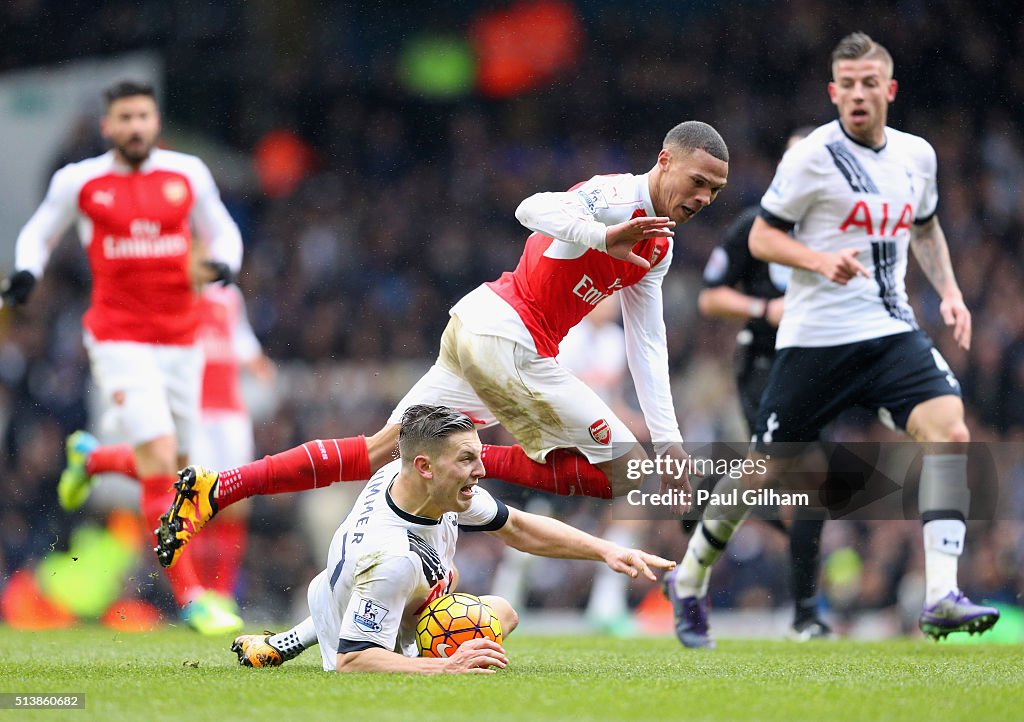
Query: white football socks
{"points": [[708, 542], [943, 545], [706, 545], [296, 640]]}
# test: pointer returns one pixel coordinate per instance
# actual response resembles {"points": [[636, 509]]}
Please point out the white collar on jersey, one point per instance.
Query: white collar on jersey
{"points": [[861, 143]]}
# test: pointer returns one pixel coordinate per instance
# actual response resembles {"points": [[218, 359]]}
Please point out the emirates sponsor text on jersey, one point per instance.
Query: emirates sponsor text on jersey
{"points": [[146, 241]]}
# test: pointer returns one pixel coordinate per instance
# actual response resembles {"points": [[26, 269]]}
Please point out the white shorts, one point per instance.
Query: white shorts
{"points": [[148, 390], [543, 405], [224, 440]]}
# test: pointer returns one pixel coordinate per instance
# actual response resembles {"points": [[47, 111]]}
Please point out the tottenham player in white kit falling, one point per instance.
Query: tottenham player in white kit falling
{"points": [[395, 553], [857, 195]]}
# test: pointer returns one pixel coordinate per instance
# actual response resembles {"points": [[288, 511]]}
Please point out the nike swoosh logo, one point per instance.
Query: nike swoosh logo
{"points": [[442, 650]]}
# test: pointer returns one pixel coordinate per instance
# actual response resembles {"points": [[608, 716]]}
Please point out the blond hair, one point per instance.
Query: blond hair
{"points": [[860, 46]]}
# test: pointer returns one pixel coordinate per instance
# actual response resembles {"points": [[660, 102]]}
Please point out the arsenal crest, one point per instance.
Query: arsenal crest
{"points": [[175, 191], [601, 432]]}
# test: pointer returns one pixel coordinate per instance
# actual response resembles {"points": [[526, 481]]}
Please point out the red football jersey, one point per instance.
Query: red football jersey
{"points": [[136, 227], [551, 295], [562, 275], [220, 313]]}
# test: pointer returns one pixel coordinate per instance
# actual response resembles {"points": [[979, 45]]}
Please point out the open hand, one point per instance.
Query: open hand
{"points": [[621, 238]]}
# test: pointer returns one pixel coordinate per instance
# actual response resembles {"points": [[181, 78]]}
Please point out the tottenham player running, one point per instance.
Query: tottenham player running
{"points": [[737, 285], [856, 194], [497, 363], [394, 554], [135, 206]]}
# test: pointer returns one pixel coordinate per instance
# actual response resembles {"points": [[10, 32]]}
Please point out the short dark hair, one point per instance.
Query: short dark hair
{"points": [[423, 426], [695, 135], [127, 89], [857, 46]]}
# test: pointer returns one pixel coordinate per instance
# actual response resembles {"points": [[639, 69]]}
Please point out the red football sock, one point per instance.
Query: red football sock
{"points": [[565, 472], [157, 494], [218, 553], [119, 458], [313, 465]]}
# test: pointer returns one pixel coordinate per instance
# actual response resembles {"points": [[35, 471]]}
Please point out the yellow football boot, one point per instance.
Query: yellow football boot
{"points": [[194, 505]]}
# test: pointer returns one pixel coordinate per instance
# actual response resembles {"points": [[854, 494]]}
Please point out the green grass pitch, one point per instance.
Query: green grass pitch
{"points": [[178, 675]]}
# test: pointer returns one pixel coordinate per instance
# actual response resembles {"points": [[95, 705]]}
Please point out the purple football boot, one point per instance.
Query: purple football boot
{"points": [[690, 615], [956, 613]]}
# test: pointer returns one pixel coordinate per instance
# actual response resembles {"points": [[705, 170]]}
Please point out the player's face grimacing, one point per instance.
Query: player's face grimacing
{"points": [[132, 125], [688, 181], [861, 92], [457, 469]]}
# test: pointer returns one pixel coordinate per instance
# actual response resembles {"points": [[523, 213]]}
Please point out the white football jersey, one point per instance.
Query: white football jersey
{"points": [[836, 193], [385, 565]]}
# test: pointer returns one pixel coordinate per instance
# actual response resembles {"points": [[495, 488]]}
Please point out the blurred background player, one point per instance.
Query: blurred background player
{"points": [[497, 363], [404, 527], [136, 206], [857, 195], [739, 286], [230, 348]]}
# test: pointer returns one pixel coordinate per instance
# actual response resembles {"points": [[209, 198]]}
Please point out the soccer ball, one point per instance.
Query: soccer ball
{"points": [[450, 620]]}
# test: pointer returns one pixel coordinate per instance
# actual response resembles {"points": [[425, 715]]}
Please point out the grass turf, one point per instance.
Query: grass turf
{"points": [[176, 674]]}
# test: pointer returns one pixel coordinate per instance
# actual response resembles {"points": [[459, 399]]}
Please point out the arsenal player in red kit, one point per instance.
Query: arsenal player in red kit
{"points": [[612, 233], [135, 208], [224, 433]]}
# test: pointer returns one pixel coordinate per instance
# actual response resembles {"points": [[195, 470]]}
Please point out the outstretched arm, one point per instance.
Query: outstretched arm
{"points": [[643, 320], [932, 252], [547, 537]]}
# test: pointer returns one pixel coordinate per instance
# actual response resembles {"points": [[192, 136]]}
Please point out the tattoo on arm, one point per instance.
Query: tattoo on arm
{"points": [[932, 253]]}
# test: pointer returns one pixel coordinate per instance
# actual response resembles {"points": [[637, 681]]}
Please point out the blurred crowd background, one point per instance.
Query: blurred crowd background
{"points": [[384, 148]]}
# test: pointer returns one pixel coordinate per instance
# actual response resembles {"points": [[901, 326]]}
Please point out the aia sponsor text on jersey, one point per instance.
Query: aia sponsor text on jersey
{"points": [[877, 223]]}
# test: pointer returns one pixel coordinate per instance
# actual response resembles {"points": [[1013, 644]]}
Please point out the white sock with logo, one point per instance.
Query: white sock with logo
{"points": [[296, 640], [943, 545]]}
